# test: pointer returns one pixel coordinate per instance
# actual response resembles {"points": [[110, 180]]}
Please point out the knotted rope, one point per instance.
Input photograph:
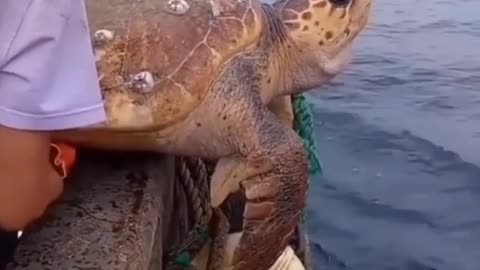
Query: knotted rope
{"points": [[194, 175], [303, 125]]}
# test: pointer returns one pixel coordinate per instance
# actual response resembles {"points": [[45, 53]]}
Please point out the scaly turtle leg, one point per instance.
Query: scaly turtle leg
{"points": [[234, 167], [271, 170], [228, 172], [283, 109], [275, 200], [231, 170], [226, 179]]}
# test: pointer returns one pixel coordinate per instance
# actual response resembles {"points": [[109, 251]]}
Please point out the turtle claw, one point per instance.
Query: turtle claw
{"points": [[231, 171]]}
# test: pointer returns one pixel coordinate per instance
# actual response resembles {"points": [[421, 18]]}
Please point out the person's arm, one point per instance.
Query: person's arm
{"points": [[48, 81]]}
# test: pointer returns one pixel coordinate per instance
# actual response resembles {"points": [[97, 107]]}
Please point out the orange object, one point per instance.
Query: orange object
{"points": [[63, 157]]}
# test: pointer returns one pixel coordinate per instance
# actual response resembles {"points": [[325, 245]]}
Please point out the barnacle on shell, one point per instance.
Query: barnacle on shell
{"points": [[143, 82], [103, 36], [178, 7], [215, 8]]}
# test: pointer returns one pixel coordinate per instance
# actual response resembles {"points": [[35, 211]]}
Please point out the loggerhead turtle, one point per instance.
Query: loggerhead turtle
{"points": [[194, 77]]}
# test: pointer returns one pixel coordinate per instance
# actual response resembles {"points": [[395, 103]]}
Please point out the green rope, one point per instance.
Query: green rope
{"points": [[303, 125], [184, 259]]}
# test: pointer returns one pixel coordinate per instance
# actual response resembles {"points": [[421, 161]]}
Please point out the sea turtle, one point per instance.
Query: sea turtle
{"points": [[194, 77]]}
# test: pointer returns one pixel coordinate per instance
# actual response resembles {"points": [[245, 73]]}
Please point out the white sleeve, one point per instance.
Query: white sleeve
{"points": [[48, 78]]}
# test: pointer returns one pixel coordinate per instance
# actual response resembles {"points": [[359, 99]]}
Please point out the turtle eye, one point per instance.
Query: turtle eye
{"points": [[340, 3]]}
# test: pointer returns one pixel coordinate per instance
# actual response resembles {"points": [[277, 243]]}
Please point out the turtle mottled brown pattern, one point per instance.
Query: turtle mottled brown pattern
{"points": [[183, 53], [320, 21], [322, 25]]}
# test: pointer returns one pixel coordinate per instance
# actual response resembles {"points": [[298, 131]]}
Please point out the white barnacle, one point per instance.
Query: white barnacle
{"points": [[178, 7], [143, 81], [215, 8], [103, 36]]}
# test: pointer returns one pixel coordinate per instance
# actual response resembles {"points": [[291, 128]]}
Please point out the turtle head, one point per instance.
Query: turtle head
{"points": [[322, 32]]}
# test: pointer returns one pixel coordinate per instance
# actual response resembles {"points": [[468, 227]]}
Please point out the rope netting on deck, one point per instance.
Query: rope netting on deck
{"points": [[194, 176]]}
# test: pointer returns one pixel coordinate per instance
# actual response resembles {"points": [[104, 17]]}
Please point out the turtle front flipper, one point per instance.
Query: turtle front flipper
{"points": [[274, 206], [272, 173], [231, 171]]}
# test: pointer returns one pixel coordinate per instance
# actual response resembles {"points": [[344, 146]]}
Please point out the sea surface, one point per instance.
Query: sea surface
{"points": [[399, 137]]}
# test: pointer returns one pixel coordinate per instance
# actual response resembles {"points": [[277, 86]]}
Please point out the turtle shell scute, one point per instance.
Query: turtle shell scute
{"points": [[182, 53]]}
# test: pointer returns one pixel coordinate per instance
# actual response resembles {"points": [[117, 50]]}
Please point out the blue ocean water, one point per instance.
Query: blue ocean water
{"points": [[399, 137]]}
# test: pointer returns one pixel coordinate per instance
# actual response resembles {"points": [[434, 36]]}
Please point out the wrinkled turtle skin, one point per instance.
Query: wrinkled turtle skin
{"points": [[195, 77]]}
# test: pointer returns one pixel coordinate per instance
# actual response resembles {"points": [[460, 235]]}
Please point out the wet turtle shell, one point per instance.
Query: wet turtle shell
{"points": [[157, 58]]}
